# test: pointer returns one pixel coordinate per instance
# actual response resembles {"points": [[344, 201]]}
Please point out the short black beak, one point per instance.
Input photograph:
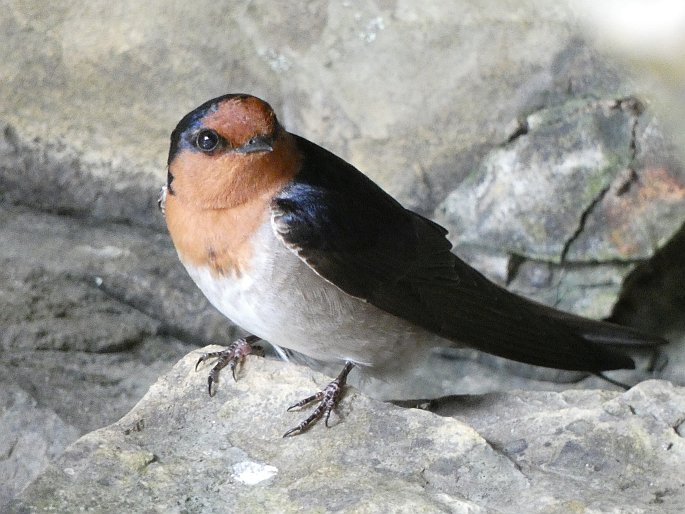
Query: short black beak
{"points": [[257, 144]]}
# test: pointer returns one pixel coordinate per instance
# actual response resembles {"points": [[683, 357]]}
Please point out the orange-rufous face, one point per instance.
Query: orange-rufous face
{"points": [[227, 160], [230, 173]]}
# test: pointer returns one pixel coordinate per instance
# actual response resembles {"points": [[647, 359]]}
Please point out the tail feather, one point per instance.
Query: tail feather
{"points": [[601, 332]]}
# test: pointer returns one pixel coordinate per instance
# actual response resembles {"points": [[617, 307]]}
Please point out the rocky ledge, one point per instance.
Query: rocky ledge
{"points": [[179, 450]]}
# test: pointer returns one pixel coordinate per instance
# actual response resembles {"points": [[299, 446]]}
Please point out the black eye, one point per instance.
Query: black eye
{"points": [[207, 140]]}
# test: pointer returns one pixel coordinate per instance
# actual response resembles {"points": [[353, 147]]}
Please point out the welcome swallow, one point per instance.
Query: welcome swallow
{"points": [[301, 249]]}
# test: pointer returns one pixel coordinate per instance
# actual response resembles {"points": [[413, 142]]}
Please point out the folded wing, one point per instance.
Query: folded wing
{"points": [[359, 238]]}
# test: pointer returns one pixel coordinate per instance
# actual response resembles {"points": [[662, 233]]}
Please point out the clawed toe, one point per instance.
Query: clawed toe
{"points": [[231, 357], [328, 399]]}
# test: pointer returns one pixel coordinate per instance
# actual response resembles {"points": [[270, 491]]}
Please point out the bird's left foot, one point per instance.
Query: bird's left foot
{"points": [[231, 357], [328, 399]]}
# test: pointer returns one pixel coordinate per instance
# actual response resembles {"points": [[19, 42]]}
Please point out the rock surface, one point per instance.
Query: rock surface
{"points": [[94, 305], [92, 313], [570, 204], [83, 333], [91, 92], [180, 451]]}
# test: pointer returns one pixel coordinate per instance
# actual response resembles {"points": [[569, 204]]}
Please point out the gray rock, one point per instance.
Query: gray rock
{"points": [[570, 204], [32, 436], [88, 313], [93, 303], [528, 196], [179, 450], [86, 117], [83, 333], [63, 267], [413, 96]]}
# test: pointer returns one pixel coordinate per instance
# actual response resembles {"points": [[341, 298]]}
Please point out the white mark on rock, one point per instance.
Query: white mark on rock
{"points": [[252, 473], [373, 27], [103, 252], [277, 61]]}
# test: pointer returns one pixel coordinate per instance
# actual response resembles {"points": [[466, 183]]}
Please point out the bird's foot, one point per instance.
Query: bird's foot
{"points": [[328, 399], [233, 355]]}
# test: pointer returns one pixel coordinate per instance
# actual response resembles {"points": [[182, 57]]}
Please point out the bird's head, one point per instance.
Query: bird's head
{"points": [[228, 151]]}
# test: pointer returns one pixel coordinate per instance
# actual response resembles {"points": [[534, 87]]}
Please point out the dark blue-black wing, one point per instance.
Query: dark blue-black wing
{"points": [[359, 238]]}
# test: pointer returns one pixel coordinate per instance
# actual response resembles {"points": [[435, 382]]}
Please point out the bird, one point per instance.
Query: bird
{"points": [[301, 249]]}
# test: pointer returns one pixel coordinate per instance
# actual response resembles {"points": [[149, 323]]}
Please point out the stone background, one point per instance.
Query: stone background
{"points": [[551, 155]]}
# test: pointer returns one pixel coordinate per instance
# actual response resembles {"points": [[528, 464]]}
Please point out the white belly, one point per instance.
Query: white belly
{"points": [[280, 299]]}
